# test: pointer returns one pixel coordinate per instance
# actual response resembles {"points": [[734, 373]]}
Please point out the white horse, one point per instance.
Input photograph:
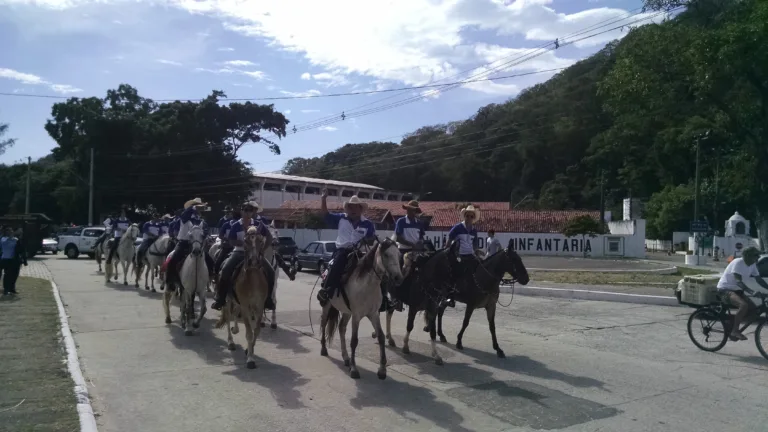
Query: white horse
{"points": [[362, 300], [194, 281], [124, 254], [213, 252], [269, 254], [153, 260]]}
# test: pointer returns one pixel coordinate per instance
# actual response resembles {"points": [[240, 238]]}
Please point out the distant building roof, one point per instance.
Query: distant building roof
{"points": [[295, 215], [287, 177], [396, 207]]}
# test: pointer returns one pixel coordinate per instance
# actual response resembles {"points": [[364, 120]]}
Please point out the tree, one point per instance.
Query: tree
{"points": [[313, 221], [583, 226], [7, 142]]}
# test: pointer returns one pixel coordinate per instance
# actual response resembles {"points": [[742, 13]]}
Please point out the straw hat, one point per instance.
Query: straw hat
{"points": [[253, 204], [471, 209], [355, 200], [194, 202], [412, 205], [167, 216]]}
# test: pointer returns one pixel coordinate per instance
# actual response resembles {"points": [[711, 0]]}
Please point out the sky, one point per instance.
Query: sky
{"points": [[184, 49]]}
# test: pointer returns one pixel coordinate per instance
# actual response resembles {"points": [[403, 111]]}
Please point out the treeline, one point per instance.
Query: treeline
{"points": [[631, 114]]}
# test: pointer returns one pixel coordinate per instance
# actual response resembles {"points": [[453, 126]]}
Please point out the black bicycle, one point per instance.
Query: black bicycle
{"points": [[715, 321]]}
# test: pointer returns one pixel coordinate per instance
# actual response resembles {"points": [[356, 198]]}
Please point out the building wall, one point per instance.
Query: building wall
{"points": [[274, 198], [523, 243]]}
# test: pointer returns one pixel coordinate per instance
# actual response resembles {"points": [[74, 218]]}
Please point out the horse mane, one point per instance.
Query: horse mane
{"points": [[366, 264]]}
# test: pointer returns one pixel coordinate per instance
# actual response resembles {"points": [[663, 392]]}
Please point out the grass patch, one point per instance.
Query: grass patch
{"points": [[611, 278], [32, 366]]}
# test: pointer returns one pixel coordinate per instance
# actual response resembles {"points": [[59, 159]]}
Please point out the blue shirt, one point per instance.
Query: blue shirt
{"points": [[410, 229], [465, 237], [350, 233], [224, 229], [120, 226], [236, 231], [173, 227], [8, 245], [151, 229], [164, 227]]}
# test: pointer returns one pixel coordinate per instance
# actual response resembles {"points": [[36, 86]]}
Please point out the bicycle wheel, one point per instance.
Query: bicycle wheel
{"points": [[758, 339], [712, 326]]}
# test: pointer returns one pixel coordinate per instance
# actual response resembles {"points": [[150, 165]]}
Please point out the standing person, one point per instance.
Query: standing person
{"points": [[731, 285], [13, 256], [353, 228], [119, 227], [494, 245]]}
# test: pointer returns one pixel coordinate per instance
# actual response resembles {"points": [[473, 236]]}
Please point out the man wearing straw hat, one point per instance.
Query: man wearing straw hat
{"points": [[465, 234], [354, 229], [731, 285], [119, 226], [189, 217], [409, 234], [150, 231]]}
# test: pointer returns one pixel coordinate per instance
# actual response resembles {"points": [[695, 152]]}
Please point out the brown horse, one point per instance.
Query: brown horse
{"points": [[485, 292], [251, 290]]}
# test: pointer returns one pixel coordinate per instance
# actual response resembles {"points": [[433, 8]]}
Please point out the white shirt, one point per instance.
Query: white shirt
{"points": [[108, 225], [728, 281], [410, 229], [493, 246], [349, 234]]}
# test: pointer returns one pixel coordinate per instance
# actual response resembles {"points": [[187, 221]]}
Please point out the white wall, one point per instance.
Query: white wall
{"points": [[274, 199], [524, 244]]}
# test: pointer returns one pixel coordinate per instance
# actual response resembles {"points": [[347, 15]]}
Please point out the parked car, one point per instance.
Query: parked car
{"points": [[315, 256], [287, 248], [74, 241], [50, 245]]}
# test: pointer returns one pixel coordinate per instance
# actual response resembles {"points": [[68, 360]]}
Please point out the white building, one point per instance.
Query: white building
{"points": [[274, 189]]}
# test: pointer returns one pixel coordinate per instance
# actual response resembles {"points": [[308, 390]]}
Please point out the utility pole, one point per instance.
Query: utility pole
{"points": [[697, 236], [602, 198], [29, 174], [90, 193]]}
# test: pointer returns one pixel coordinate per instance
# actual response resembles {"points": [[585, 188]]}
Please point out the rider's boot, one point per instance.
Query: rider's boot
{"points": [[220, 298]]}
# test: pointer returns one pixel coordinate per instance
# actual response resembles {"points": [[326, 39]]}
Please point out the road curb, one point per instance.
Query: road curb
{"points": [[662, 271], [84, 409], [575, 294]]}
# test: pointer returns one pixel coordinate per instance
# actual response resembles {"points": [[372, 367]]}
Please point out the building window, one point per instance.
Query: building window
{"points": [[365, 195], [614, 245], [392, 198], [292, 188], [273, 187], [347, 193], [333, 192], [378, 196], [312, 190], [741, 229]]}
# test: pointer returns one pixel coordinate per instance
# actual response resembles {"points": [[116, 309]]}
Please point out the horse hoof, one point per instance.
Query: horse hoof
{"points": [[381, 374], [231, 346], [406, 350], [392, 343], [346, 362], [154, 290], [459, 346], [443, 339], [262, 325], [126, 284], [439, 361], [188, 333], [500, 353], [251, 365], [196, 325], [373, 335], [355, 374], [324, 352], [167, 320], [426, 329], [273, 326]]}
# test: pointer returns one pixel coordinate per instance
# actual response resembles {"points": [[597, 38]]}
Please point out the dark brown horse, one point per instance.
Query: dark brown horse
{"points": [[484, 292]]}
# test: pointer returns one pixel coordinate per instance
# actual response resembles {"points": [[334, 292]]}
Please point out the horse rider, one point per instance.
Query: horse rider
{"points": [[409, 234], [107, 231], [225, 224], [465, 234], [353, 228], [150, 231], [119, 226], [290, 272], [190, 216], [236, 237], [165, 223]]}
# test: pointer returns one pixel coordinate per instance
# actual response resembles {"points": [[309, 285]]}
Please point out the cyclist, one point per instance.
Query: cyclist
{"points": [[731, 286]]}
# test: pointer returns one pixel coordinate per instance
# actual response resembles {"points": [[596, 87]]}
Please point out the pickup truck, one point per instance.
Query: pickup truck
{"points": [[74, 241]]}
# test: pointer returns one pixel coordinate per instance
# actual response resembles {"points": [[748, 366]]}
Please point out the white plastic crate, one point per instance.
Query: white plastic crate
{"points": [[699, 290]]}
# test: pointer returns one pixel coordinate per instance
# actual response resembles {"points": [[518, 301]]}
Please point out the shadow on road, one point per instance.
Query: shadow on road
{"points": [[282, 382]]}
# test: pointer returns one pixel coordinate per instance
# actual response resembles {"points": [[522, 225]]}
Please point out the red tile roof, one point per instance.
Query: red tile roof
{"points": [[295, 215], [396, 207]]}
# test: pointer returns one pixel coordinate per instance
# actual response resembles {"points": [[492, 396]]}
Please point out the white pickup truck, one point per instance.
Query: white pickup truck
{"points": [[75, 241]]}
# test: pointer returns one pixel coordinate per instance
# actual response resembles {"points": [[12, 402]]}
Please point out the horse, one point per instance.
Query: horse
{"points": [[153, 259], [361, 297], [487, 277], [214, 252], [194, 281], [251, 291], [124, 254], [100, 252], [421, 291], [270, 255]]}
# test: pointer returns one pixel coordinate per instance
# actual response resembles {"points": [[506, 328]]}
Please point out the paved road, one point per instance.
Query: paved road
{"points": [[588, 264], [572, 366]]}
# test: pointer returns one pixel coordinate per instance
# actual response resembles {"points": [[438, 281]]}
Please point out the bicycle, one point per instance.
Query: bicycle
{"points": [[719, 313]]}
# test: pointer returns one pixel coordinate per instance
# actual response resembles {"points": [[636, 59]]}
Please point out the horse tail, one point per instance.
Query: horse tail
{"points": [[332, 324]]}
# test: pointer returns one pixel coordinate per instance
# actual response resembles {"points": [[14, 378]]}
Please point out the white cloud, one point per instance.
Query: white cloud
{"points": [[227, 49], [169, 62], [306, 76], [307, 93], [287, 112], [327, 128], [258, 75], [242, 85], [240, 63], [326, 79], [307, 111], [31, 79]]}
